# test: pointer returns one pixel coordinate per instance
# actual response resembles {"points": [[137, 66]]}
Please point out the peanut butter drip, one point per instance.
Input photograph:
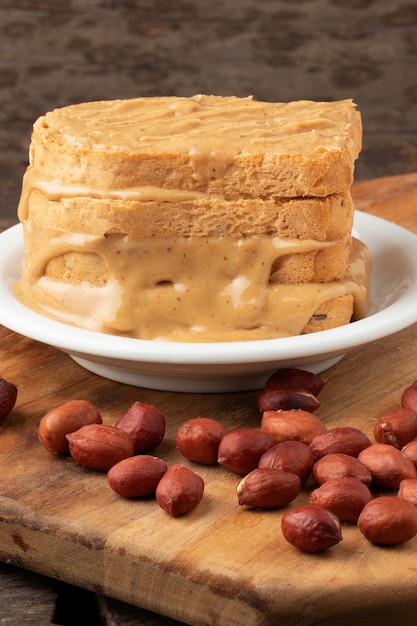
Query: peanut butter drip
{"points": [[55, 189], [161, 288]]}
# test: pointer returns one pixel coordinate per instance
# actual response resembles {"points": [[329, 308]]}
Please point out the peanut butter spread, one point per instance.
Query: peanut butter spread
{"points": [[193, 219], [228, 145], [185, 125], [213, 289]]}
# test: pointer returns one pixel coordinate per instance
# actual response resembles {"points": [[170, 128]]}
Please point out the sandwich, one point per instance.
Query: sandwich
{"points": [[208, 218]]}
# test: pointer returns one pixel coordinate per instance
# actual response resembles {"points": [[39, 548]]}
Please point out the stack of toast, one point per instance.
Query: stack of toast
{"points": [[208, 218]]}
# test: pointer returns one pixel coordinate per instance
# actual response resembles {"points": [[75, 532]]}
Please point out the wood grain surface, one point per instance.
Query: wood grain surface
{"points": [[221, 564]]}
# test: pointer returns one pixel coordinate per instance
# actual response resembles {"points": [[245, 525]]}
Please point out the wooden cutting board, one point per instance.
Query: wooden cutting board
{"points": [[220, 565]]}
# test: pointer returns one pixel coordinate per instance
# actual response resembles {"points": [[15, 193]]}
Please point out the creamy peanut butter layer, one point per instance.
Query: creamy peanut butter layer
{"points": [[180, 289], [154, 212]]}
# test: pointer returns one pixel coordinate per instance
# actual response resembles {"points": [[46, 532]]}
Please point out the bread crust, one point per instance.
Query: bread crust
{"points": [[331, 314], [322, 219]]}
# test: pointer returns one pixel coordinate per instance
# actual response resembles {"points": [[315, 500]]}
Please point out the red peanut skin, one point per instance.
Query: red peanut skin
{"points": [[295, 425], [387, 465], [241, 449], [8, 396], [285, 397], [409, 397], [344, 439], [311, 528], [268, 489], [297, 378], [388, 520], [410, 451], [145, 424], [289, 456], [62, 420], [198, 439], [397, 427], [136, 476], [100, 446], [179, 491], [345, 497], [339, 465], [408, 490]]}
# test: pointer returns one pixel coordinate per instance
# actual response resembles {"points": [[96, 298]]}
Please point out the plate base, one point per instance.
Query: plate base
{"points": [[211, 384]]}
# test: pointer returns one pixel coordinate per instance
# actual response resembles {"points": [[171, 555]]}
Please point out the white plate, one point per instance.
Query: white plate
{"points": [[232, 366]]}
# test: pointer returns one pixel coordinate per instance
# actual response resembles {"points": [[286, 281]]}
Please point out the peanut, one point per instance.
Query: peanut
{"points": [[285, 397], [289, 456], [408, 490], [100, 446], [268, 488], [339, 465], [387, 465], [59, 422], [297, 378], [8, 396], [388, 520], [345, 497], [136, 476], [198, 440], [179, 490], [145, 424], [296, 425], [409, 397], [344, 439], [311, 528], [241, 449], [396, 427], [410, 451]]}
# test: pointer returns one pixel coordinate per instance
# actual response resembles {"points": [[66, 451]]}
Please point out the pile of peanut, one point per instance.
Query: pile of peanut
{"points": [[349, 478]]}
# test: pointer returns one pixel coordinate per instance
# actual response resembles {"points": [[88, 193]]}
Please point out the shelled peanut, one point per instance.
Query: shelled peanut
{"points": [[100, 446], [388, 520], [311, 528], [136, 476], [62, 420], [179, 490], [198, 439], [8, 396]]}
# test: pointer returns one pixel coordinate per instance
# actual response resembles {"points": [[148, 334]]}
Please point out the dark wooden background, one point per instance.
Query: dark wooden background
{"points": [[57, 52]]}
